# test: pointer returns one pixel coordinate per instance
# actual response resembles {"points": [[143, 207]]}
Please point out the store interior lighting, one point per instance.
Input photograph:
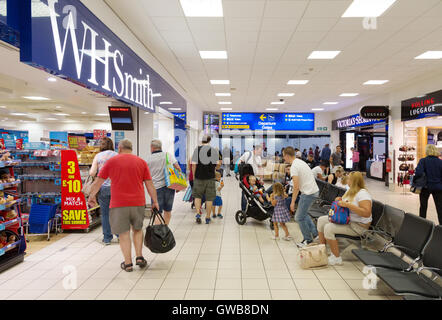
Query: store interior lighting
{"points": [[367, 8]]}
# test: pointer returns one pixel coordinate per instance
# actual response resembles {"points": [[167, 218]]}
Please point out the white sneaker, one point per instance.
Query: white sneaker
{"points": [[332, 260], [316, 240], [288, 238], [303, 244], [275, 238]]}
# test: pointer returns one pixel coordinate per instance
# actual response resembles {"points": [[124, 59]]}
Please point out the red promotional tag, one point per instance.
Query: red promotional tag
{"points": [[19, 144], [98, 134], [73, 205], [2, 144]]}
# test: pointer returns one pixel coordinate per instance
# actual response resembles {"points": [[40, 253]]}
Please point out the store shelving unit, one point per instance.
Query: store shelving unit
{"points": [[12, 236]]}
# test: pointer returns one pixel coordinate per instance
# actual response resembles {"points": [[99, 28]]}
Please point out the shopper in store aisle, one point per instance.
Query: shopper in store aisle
{"points": [[304, 182], [157, 163], [104, 196], [129, 174], [355, 159], [431, 166], [205, 161]]}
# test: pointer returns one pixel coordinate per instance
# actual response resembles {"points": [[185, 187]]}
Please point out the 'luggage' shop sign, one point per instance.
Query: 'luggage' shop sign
{"points": [[426, 106], [66, 38]]}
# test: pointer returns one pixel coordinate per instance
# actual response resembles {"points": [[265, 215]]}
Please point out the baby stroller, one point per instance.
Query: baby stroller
{"points": [[254, 208]]}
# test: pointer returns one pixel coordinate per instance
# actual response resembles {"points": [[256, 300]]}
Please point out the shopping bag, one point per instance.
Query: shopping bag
{"points": [[87, 187], [158, 238], [175, 179], [313, 256], [188, 195]]}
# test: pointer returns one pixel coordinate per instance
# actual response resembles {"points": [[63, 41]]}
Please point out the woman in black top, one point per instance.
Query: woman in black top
{"points": [[431, 165], [333, 178]]}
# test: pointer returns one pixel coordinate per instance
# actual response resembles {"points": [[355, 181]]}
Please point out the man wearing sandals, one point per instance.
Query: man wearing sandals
{"points": [[129, 174]]}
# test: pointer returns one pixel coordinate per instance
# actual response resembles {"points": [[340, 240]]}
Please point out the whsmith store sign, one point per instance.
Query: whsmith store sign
{"points": [[429, 105], [64, 38]]}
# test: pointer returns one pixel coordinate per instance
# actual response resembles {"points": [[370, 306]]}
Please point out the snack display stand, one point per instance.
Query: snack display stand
{"points": [[12, 237]]}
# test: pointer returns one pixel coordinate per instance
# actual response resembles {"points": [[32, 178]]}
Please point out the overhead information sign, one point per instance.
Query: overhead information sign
{"points": [[269, 121]]}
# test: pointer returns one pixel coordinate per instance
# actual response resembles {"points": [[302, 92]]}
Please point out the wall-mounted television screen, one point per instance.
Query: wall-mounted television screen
{"points": [[121, 118]]}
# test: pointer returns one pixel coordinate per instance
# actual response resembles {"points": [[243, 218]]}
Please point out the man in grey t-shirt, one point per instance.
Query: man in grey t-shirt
{"points": [[336, 159]]}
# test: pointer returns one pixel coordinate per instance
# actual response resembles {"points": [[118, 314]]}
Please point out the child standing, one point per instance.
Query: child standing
{"points": [[281, 214], [219, 185]]}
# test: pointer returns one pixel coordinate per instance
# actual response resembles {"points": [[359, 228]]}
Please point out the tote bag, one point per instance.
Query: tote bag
{"points": [[158, 238], [175, 179], [313, 256]]}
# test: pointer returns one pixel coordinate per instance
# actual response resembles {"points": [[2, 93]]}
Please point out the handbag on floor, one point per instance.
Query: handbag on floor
{"points": [[313, 256], [158, 238]]}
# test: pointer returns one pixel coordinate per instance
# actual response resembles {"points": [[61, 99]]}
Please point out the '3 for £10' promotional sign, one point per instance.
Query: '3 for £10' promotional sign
{"points": [[73, 205]]}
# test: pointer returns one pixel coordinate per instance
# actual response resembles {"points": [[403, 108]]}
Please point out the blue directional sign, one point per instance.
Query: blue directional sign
{"points": [[269, 121]]}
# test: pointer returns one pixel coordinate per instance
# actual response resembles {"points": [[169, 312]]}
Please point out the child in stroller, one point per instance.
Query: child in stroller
{"points": [[258, 190], [252, 207]]}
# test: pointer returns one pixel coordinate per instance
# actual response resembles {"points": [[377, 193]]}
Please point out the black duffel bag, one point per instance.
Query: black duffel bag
{"points": [[158, 238]]}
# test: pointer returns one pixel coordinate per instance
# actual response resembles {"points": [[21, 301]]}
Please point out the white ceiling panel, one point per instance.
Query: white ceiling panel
{"points": [[279, 24], [155, 8], [317, 24], [207, 41], [184, 49], [242, 24], [243, 9], [177, 36], [308, 36], [285, 9], [275, 37], [410, 8], [327, 8], [170, 23], [206, 24], [241, 37]]}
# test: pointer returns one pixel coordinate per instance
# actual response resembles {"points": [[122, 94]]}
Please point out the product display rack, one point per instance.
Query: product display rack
{"points": [[12, 236], [406, 168]]}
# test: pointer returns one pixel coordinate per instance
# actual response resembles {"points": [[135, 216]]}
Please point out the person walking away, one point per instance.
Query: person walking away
{"points": [[104, 196], [205, 161], [359, 202], [226, 160], [355, 159], [304, 182], [189, 165], [157, 163], [336, 159], [431, 165], [128, 173], [321, 172], [326, 153], [317, 154], [219, 185], [281, 215]]}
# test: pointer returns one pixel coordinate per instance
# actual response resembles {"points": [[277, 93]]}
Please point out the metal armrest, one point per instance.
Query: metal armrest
{"points": [[364, 234], [422, 268], [402, 253]]}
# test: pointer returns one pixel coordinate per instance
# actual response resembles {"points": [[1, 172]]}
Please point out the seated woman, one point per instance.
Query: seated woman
{"points": [[359, 201], [256, 190], [336, 177], [343, 182]]}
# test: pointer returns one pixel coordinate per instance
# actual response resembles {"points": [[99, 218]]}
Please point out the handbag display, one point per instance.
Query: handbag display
{"points": [[410, 157], [175, 179], [313, 256], [403, 148], [338, 215], [404, 167], [158, 238], [87, 187], [402, 157]]}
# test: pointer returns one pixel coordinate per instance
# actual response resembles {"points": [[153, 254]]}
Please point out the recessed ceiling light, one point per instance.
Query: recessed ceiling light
{"points": [[367, 8], [323, 54], [3, 107], [226, 109], [101, 114], [18, 114], [52, 79], [213, 54], [331, 103], [51, 119], [376, 82], [223, 94], [272, 109], [286, 94], [220, 81], [430, 55], [57, 107], [349, 94], [278, 102], [318, 109], [37, 98], [84, 112], [165, 102], [61, 114], [156, 95], [224, 102], [175, 109], [206, 8], [300, 82]]}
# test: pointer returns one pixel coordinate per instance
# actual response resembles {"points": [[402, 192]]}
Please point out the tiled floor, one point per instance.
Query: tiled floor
{"points": [[218, 261]]}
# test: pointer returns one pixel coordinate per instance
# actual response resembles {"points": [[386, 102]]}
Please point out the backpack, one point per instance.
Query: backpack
{"points": [[338, 215], [239, 166]]}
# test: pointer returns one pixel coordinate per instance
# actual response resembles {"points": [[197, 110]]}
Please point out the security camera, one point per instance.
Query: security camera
{"points": [[282, 100]]}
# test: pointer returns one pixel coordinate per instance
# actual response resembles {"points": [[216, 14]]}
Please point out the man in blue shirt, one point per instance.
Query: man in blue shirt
{"points": [[326, 153]]}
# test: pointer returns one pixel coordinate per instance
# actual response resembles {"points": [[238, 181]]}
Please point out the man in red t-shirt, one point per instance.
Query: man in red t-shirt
{"points": [[129, 174]]}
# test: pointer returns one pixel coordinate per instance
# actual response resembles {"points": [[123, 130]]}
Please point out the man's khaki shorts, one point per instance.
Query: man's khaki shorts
{"points": [[204, 188], [121, 219]]}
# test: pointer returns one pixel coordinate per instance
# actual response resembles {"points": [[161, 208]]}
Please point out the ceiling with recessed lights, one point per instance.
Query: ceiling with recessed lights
{"points": [[257, 46]]}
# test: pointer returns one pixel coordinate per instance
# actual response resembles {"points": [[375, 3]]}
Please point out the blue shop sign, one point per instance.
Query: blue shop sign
{"points": [[269, 121], [65, 38]]}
